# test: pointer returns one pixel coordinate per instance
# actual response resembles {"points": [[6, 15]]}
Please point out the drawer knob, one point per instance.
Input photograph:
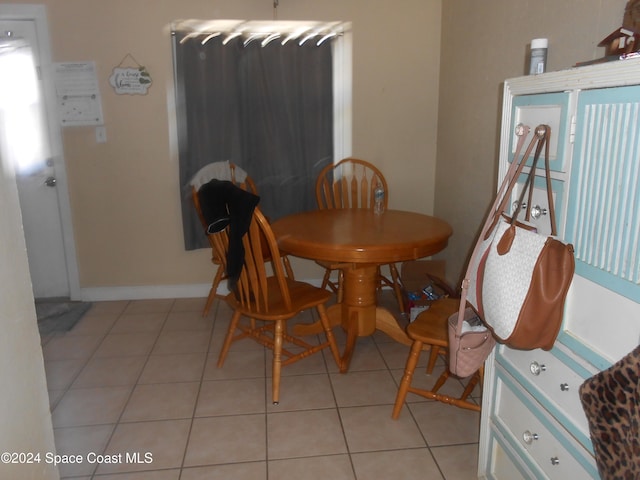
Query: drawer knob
{"points": [[537, 211], [529, 437], [536, 368], [514, 205], [564, 387], [555, 461]]}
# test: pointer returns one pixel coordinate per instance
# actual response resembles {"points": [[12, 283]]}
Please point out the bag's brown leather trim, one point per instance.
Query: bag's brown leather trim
{"points": [[544, 303]]}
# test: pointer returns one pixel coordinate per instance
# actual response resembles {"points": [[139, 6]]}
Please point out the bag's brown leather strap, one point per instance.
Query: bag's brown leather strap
{"points": [[511, 179], [537, 141], [543, 134], [522, 133], [547, 168], [540, 138]]}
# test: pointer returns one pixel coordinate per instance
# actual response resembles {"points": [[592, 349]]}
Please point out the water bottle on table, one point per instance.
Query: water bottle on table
{"points": [[378, 199]]}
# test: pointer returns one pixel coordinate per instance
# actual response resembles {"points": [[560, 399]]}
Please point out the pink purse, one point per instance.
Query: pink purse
{"points": [[470, 342]]}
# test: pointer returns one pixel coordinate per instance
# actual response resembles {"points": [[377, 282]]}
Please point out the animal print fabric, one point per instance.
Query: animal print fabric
{"points": [[611, 401]]}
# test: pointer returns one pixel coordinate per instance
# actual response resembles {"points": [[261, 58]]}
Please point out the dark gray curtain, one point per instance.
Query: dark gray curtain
{"points": [[267, 109]]}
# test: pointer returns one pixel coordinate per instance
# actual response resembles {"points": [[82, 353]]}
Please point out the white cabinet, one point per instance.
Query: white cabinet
{"points": [[533, 425]]}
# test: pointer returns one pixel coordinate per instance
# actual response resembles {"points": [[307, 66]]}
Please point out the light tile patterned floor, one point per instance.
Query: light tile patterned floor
{"points": [[140, 376]]}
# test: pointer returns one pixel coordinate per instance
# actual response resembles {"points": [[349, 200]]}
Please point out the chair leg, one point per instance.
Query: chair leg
{"points": [[442, 379], [325, 280], [403, 389], [287, 267], [277, 361], [473, 381], [227, 341], [381, 280], [322, 312], [433, 357], [340, 292], [334, 287], [461, 401], [395, 277], [214, 290], [477, 378]]}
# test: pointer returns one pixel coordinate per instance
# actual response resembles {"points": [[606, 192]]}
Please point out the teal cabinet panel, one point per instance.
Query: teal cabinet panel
{"points": [[550, 109], [603, 218]]}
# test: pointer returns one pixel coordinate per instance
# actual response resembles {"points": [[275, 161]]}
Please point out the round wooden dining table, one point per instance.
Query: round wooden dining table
{"points": [[361, 241]]}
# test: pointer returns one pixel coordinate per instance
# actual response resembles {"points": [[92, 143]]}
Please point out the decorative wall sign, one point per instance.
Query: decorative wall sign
{"points": [[130, 80]]}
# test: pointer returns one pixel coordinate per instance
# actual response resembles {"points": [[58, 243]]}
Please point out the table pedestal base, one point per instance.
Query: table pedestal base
{"points": [[358, 313]]}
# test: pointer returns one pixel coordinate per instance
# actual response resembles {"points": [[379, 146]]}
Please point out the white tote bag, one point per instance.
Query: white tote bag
{"points": [[525, 276]]}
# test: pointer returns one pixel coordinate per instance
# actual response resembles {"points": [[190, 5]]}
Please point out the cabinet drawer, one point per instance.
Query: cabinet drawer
{"points": [[550, 447], [553, 382], [550, 109], [505, 463], [539, 208]]}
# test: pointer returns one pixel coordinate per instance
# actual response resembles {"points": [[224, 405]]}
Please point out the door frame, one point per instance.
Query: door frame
{"points": [[38, 14]]}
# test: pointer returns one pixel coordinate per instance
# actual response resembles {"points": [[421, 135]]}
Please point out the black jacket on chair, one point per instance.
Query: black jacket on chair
{"points": [[224, 203]]}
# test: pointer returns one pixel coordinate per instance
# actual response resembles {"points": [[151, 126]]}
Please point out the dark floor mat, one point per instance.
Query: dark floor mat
{"points": [[56, 315]]}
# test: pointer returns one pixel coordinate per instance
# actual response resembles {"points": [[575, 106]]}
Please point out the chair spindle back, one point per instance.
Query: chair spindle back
{"points": [[349, 184], [253, 291]]}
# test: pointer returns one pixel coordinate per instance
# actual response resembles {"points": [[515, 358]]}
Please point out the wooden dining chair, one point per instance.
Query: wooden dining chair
{"points": [[429, 331], [269, 300], [350, 183], [221, 171]]}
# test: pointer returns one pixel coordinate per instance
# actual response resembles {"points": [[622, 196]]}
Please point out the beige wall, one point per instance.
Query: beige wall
{"points": [[25, 421], [124, 193], [484, 43], [426, 74]]}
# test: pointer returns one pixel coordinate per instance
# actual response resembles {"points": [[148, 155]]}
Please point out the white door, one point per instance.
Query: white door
{"points": [[28, 139]]}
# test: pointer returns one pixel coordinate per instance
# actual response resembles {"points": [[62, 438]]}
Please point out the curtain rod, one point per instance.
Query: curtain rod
{"points": [[267, 31]]}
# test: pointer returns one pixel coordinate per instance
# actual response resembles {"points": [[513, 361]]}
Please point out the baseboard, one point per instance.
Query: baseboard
{"points": [[101, 294]]}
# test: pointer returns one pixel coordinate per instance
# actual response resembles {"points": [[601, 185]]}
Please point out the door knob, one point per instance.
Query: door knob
{"points": [[50, 182]]}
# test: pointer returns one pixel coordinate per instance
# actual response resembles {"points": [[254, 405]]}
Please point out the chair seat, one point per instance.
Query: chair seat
{"points": [[431, 325], [303, 296]]}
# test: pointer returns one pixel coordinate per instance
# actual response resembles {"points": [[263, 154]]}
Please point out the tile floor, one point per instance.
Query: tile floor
{"points": [[140, 378]]}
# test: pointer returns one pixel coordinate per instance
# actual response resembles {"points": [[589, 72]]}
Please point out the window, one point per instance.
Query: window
{"points": [[271, 97]]}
